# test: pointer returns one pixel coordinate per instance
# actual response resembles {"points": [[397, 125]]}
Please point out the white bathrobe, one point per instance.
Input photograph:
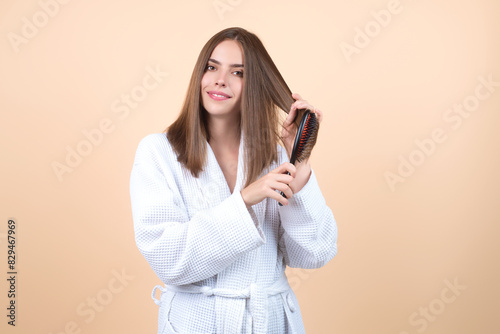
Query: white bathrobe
{"points": [[222, 264]]}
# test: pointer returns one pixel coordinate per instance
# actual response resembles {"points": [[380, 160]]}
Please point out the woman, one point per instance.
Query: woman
{"points": [[205, 198]]}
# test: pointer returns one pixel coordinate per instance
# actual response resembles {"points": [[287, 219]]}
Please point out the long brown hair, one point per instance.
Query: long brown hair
{"points": [[264, 94]]}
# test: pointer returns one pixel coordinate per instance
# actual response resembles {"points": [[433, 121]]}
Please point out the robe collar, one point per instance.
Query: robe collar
{"points": [[217, 171], [212, 181]]}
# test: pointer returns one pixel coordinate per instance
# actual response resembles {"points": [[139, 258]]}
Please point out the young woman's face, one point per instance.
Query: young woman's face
{"points": [[222, 82]]}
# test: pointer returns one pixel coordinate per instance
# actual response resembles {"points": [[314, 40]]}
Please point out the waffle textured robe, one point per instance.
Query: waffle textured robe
{"points": [[222, 265]]}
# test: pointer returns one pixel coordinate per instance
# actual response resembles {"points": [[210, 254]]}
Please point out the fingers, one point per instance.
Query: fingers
{"points": [[271, 185], [282, 187], [299, 103], [284, 178], [285, 167], [275, 190], [290, 118], [293, 110], [279, 198], [281, 182], [319, 115], [302, 105]]}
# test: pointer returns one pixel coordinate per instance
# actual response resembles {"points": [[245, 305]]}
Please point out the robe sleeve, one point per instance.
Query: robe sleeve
{"points": [[308, 228], [182, 250]]}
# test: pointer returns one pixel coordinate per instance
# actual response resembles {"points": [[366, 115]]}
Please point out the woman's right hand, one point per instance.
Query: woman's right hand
{"points": [[267, 185]]}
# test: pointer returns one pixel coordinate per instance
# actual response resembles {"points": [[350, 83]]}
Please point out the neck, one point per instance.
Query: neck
{"points": [[224, 131]]}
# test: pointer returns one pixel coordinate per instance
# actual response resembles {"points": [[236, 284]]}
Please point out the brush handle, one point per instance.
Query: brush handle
{"points": [[282, 193], [296, 143]]}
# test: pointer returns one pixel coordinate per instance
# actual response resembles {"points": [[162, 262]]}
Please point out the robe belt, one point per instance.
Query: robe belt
{"points": [[256, 295]]}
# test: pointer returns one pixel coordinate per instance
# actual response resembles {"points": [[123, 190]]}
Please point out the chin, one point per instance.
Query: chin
{"points": [[219, 111]]}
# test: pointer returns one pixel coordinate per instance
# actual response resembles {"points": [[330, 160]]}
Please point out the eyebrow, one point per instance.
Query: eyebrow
{"points": [[219, 63]]}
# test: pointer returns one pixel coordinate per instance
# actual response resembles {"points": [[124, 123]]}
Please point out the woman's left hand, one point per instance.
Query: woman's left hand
{"points": [[288, 134], [289, 128]]}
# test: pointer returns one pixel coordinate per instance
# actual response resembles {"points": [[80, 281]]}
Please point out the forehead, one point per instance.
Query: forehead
{"points": [[228, 52]]}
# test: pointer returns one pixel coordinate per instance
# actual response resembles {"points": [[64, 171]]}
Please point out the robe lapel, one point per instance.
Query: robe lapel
{"points": [[211, 181]]}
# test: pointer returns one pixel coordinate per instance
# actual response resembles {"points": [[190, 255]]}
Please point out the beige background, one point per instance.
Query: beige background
{"points": [[397, 247]]}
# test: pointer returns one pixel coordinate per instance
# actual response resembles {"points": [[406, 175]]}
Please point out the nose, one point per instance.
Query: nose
{"points": [[221, 82]]}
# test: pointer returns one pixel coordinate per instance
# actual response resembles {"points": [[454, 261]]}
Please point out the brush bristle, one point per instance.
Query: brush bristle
{"points": [[308, 138]]}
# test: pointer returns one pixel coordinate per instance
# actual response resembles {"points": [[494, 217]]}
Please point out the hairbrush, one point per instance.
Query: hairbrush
{"points": [[305, 139]]}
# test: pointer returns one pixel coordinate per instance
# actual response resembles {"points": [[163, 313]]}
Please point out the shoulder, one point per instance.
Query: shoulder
{"points": [[153, 146], [153, 140]]}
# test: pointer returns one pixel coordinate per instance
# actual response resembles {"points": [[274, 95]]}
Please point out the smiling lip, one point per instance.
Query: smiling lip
{"points": [[219, 96]]}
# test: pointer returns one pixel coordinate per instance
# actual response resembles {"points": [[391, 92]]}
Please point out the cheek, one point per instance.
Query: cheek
{"points": [[204, 80], [238, 86]]}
